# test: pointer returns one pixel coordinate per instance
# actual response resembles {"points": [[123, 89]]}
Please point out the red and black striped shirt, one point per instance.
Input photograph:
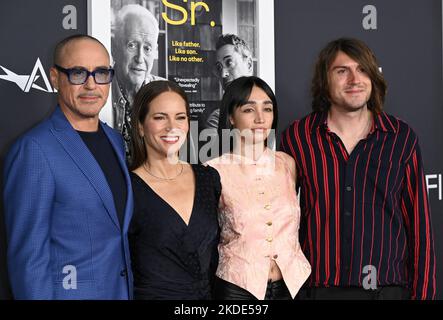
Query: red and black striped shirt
{"points": [[367, 208]]}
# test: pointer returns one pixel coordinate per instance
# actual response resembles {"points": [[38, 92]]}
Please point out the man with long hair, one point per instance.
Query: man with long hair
{"points": [[366, 224]]}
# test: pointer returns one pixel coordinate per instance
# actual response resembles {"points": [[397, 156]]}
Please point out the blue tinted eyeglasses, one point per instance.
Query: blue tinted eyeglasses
{"points": [[80, 75]]}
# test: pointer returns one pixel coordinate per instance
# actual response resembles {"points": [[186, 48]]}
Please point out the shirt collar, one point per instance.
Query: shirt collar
{"points": [[381, 122]]}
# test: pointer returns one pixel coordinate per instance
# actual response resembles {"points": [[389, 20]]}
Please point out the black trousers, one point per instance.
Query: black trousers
{"points": [[224, 290], [354, 293]]}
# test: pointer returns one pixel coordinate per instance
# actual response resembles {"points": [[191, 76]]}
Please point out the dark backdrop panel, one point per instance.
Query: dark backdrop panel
{"points": [[29, 31], [408, 45]]}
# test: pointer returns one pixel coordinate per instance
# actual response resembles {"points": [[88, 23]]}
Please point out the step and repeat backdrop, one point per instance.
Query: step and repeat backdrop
{"points": [[279, 42]]}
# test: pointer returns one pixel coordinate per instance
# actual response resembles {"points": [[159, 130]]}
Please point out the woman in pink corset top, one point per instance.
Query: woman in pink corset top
{"points": [[259, 251]]}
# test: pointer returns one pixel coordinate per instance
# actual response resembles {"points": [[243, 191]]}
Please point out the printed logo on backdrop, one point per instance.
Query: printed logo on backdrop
{"points": [[434, 185], [70, 281], [37, 79]]}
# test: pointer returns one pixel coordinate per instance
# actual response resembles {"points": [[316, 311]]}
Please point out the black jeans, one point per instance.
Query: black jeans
{"points": [[224, 290], [354, 293]]}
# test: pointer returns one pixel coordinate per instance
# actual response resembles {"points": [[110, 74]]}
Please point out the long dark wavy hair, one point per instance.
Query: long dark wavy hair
{"points": [[237, 94], [362, 54], [140, 109]]}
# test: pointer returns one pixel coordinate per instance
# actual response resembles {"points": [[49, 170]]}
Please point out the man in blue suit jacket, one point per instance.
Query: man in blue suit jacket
{"points": [[67, 195]]}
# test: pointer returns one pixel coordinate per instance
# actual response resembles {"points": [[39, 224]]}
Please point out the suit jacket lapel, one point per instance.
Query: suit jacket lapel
{"points": [[80, 154], [120, 152]]}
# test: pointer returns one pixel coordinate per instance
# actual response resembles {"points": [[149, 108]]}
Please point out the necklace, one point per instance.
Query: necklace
{"points": [[161, 178]]}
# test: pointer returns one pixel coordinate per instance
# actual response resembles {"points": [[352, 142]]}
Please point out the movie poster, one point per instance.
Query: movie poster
{"points": [[201, 45]]}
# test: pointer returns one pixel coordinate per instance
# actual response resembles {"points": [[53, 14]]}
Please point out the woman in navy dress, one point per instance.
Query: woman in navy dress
{"points": [[174, 230]]}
